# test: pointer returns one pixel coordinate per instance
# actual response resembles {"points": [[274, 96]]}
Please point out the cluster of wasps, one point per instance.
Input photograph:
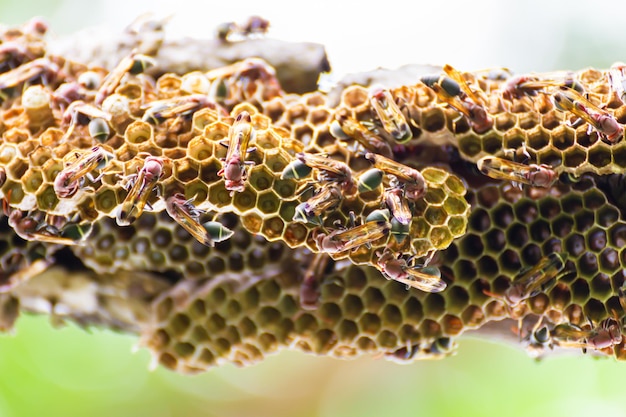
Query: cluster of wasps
{"points": [[567, 95], [89, 103], [562, 89]]}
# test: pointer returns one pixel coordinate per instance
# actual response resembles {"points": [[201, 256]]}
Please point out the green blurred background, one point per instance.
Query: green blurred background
{"points": [[69, 372]]}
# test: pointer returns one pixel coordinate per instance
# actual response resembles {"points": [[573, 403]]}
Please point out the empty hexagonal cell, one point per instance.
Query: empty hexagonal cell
{"points": [[572, 203], [354, 96], [434, 119], [584, 220], [550, 157], [464, 270], [528, 121], [487, 266], [600, 155], [492, 143], [517, 235], [594, 309], [505, 122], [600, 286], [509, 261], [471, 246], [619, 155], [538, 138], [355, 279], [470, 145], [574, 157], [373, 299], [502, 216], [369, 323], [200, 149], [454, 206], [260, 178], [455, 186], [202, 118], [563, 137]]}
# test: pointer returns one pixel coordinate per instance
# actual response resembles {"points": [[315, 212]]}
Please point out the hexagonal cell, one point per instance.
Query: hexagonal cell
{"points": [[600, 155], [529, 120], [470, 246], [572, 203], [185, 170], [434, 119], [440, 237], [273, 228], [538, 138], [594, 309], [435, 215], [574, 157], [588, 264], [47, 198], [354, 96], [106, 201], [505, 122], [563, 137], [32, 180], [492, 143], [470, 145], [138, 132], [260, 178], [487, 266]]}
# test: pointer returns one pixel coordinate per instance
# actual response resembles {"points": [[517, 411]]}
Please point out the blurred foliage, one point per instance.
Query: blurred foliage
{"points": [[69, 372]]}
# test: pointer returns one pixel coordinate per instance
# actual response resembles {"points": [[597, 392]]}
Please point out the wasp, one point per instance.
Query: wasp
{"points": [[398, 230], [34, 228], [532, 281], [188, 216], [239, 81], [450, 92], [310, 211], [606, 334], [502, 169], [309, 289], [617, 80], [255, 25], [567, 99], [41, 67], [240, 134], [330, 169], [345, 127], [369, 180], [160, 110], [398, 204], [72, 176], [133, 63], [411, 179], [73, 112], [141, 185], [343, 240], [477, 97], [523, 85], [394, 267], [389, 114], [296, 169], [537, 339]]}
